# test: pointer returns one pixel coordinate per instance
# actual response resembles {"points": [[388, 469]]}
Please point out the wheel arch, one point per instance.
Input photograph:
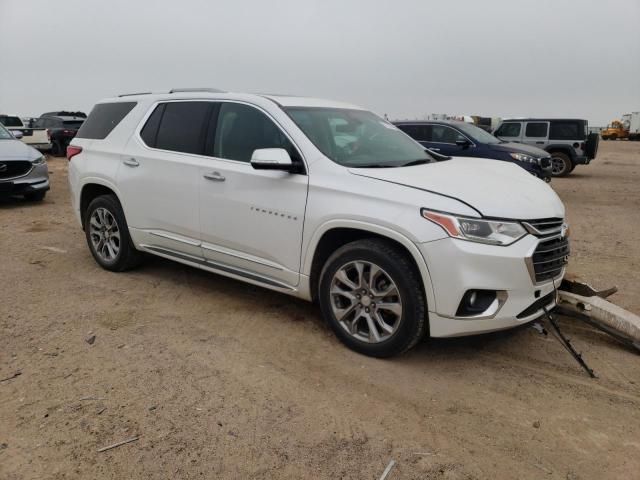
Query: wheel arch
{"points": [[561, 148], [332, 235], [91, 189]]}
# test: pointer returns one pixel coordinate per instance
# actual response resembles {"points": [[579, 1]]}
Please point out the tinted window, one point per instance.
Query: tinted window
{"points": [[421, 133], [183, 126], [150, 129], [444, 134], [39, 123], [509, 130], [102, 120], [241, 129], [567, 131], [536, 130], [11, 121], [72, 124]]}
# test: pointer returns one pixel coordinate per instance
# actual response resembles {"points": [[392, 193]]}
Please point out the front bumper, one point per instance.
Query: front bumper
{"points": [[456, 266], [36, 180]]}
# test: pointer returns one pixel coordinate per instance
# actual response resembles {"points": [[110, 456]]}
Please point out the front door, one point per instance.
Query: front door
{"points": [[251, 220], [510, 132], [535, 133]]}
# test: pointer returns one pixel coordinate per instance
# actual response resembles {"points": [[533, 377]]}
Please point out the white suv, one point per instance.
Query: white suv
{"points": [[324, 201]]}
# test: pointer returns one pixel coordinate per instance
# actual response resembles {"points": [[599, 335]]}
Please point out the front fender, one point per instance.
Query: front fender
{"points": [[314, 240]]}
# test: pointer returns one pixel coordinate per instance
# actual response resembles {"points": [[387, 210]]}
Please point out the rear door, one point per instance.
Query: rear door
{"points": [[536, 133], [510, 131], [159, 177], [251, 220]]}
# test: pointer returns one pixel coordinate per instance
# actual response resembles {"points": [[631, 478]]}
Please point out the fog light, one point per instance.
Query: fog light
{"points": [[475, 302]]}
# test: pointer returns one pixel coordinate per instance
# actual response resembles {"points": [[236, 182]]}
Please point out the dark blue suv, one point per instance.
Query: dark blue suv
{"points": [[460, 139]]}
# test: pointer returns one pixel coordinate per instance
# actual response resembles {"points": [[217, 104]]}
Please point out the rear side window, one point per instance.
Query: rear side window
{"points": [[182, 127], [421, 133], [103, 119], [509, 130], [241, 129], [536, 129], [567, 131]]}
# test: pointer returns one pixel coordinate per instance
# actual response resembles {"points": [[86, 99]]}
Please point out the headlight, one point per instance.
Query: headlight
{"points": [[523, 157], [38, 161], [494, 232]]}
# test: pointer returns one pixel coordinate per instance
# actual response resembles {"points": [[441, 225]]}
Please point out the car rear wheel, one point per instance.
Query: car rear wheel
{"points": [[561, 164], [371, 295], [108, 235]]}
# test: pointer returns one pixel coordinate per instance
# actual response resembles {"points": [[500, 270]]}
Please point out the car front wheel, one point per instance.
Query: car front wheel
{"points": [[371, 295]]}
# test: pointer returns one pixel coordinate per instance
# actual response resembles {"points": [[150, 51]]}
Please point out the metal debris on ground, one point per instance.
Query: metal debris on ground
{"points": [[387, 470], [117, 444], [566, 343], [90, 339], [582, 301]]}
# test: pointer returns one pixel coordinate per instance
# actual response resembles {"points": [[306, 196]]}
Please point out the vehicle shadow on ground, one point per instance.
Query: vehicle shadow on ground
{"points": [[291, 309], [19, 202]]}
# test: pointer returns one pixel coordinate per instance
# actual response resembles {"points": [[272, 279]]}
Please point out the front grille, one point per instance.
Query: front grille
{"points": [[545, 162], [14, 169], [537, 305], [550, 257], [544, 227]]}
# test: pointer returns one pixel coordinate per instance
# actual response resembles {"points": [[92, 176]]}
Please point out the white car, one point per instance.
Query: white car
{"points": [[393, 245], [34, 137]]}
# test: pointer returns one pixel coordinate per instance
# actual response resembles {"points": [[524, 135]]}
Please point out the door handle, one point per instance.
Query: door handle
{"points": [[131, 162], [214, 176]]}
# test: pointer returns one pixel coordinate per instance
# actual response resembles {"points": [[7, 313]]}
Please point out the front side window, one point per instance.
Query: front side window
{"points": [[444, 134], [509, 130], [183, 127], [536, 129], [356, 138], [242, 129]]}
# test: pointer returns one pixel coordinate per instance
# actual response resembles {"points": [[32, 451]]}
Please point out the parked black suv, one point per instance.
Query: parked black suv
{"points": [[60, 128], [566, 139], [461, 139]]}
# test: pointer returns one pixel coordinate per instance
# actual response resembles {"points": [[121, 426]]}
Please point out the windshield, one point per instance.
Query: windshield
{"points": [[4, 134], [478, 134], [357, 138]]}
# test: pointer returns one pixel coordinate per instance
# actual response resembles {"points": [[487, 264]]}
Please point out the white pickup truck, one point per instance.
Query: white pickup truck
{"points": [[34, 137]]}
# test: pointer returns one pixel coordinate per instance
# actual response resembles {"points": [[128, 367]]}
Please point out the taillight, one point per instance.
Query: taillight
{"points": [[72, 151]]}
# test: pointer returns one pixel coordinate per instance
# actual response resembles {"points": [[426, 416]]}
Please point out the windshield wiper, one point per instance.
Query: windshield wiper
{"points": [[374, 165], [416, 162]]}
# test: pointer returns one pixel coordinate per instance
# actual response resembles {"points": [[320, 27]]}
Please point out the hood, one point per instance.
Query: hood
{"points": [[520, 148], [16, 150], [492, 187]]}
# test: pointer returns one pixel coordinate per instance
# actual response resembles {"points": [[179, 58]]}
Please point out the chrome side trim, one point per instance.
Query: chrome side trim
{"points": [[252, 259], [215, 267], [175, 238]]}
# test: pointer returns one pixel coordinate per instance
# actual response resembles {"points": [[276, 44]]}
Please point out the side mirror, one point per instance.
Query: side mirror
{"points": [[17, 134], [463, 143], [272, 159]]}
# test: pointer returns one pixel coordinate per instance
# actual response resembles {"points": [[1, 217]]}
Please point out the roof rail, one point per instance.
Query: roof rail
{"points": [[183, 90], [131, 94]]}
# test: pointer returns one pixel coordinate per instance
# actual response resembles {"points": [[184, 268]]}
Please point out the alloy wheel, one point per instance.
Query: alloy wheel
{"points": [[105, 234], [366, 301], [558, 165]]}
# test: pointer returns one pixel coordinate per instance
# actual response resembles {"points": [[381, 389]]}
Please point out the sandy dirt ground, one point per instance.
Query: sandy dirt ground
{"points": [[223, 380]]}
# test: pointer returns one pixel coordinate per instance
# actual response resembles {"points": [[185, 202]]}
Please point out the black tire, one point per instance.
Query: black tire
{"points": [[562, 164], [127, 256], [399, 267], [35, 196]]}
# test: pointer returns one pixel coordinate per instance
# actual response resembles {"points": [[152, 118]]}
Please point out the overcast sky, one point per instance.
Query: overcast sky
{"points": [[405, 58]]}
